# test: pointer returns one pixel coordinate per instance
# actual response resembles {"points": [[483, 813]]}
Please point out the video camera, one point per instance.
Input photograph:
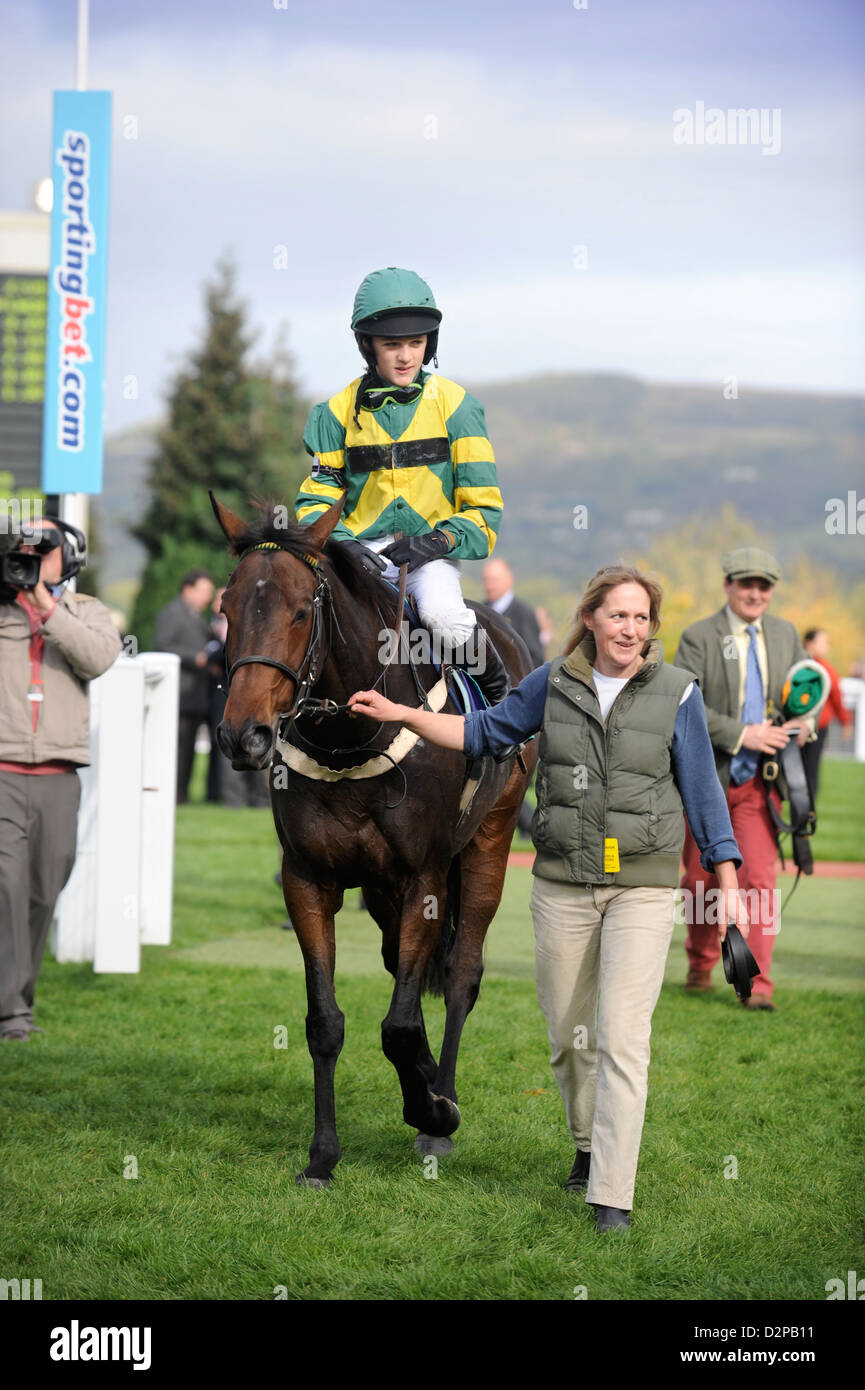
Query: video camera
{"points": [[20, 571]]}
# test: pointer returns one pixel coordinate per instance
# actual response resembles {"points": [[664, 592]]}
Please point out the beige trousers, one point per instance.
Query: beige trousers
{"points": [[600, 955]]}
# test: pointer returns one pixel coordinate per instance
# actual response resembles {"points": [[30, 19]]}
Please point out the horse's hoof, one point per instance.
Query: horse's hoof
{"points": [[438, 1118], [451, 1116], [429, 1144], [303, 1181], [454, 1122]]}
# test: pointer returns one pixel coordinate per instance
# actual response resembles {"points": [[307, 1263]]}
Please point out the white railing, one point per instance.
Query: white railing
{"points": [[119, 894], [853, 697]]}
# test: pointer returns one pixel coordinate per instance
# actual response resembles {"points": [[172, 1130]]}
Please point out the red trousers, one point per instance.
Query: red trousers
{"points": [[758, 875]]}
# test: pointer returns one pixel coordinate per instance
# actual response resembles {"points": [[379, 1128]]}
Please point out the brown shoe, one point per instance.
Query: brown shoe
{"points": [[698, 981], [759, 1001]]}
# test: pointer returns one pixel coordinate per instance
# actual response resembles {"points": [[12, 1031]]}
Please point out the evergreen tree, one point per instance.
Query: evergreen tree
{"points": [[231, 428]]}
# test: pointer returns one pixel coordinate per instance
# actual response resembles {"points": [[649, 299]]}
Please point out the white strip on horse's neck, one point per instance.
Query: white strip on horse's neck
{"points": [[383, 761]]}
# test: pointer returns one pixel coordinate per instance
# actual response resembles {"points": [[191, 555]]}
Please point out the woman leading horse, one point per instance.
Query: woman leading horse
{"points": [[624, 748]]}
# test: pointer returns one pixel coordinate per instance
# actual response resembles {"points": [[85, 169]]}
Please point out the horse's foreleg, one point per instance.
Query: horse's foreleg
{"points": [[386, 907], [403, 1033], [312, 910]]}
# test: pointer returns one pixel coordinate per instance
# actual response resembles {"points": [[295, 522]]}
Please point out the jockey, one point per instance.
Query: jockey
{"points": [[409, 452]]}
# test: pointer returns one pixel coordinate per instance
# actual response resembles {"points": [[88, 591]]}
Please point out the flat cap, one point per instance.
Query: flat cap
{"points": [[749, 560]]}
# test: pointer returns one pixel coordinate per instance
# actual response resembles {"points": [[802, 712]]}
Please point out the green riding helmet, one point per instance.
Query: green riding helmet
{"points": [[394, 303], [806, 689]]}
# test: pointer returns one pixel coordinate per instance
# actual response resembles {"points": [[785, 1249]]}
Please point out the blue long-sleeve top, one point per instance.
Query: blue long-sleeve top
{"points": [[521, 714]]}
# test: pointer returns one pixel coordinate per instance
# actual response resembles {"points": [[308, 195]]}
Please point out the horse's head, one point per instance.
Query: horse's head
{"points": [[271, 640]]}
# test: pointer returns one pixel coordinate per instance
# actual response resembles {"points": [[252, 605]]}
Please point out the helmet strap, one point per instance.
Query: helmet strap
{"points": [[369, 378]]}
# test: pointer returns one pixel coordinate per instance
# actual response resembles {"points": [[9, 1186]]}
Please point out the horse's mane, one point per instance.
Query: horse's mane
{"points": [[272, 525]]}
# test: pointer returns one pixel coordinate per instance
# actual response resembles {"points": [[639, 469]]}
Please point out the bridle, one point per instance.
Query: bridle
{"points": [[322, 597], [303, 702]]}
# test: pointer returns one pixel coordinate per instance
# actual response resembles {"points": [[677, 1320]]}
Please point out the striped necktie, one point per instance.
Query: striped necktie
{"points": [[744, 763]]}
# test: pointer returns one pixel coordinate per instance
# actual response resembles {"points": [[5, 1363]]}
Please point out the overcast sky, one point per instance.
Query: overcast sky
{"points": [[480, 144]]}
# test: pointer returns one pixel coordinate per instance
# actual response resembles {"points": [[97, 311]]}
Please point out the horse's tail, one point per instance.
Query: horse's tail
{"points": [[434, 979]]}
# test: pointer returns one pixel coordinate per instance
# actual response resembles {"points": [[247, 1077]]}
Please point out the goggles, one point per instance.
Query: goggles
{"points": [[375, 397]]}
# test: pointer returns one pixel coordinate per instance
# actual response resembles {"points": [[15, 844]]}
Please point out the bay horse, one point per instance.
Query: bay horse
{"points": [[352, 809]]}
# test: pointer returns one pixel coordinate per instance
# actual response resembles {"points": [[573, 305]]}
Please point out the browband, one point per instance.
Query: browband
{"points": [[275, 545]]}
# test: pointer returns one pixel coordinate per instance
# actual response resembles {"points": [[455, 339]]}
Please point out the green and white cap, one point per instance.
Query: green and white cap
{"points": [[806, 688]]}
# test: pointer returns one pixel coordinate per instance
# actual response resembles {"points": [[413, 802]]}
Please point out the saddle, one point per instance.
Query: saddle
{"points": [[785, 771], [468, 696]]}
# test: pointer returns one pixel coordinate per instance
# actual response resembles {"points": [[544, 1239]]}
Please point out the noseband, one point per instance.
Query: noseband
{"points": [[322, 596]]}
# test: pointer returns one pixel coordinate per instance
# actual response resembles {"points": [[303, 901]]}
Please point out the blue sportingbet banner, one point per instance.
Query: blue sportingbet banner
{"points": [[75, 343]]}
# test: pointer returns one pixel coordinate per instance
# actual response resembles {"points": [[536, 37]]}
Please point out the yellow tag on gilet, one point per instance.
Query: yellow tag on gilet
{"points": [[611, 856]]}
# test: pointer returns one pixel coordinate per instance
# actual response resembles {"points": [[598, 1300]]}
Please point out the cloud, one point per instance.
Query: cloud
{"points": [[482, 172]]}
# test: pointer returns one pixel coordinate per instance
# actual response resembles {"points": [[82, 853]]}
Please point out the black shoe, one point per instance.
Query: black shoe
{"points": [[578, 1179], [488, 669], [611, 1218]]}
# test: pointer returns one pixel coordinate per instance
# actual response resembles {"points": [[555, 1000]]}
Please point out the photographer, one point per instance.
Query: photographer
{"points": [[52, 644]]}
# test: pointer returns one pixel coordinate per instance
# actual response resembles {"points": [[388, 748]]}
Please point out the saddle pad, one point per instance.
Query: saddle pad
{"points": [[467, 690]]}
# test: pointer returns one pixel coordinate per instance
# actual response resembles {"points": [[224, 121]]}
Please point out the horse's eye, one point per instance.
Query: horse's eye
{"points": [[301, 615]]}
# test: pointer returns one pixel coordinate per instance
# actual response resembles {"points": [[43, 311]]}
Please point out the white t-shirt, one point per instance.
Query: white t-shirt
{"points": [[608, 688]]}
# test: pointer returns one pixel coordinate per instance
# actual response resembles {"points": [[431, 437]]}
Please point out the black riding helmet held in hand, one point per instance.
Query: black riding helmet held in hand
{"points": [[740, 967]]}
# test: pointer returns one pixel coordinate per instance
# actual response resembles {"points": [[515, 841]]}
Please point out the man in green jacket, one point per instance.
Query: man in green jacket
{"points": [[740, 657]]}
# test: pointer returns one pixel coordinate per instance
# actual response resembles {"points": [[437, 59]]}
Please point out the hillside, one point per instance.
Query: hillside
{"points": [[642, 458], [645, 458]]}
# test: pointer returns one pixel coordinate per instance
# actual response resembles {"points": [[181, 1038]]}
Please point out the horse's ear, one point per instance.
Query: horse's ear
{"points": [[231, 524], [320, 530]]}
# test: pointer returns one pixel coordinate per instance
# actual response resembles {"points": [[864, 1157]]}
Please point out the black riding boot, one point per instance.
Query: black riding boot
{"points": [[483, 662]]}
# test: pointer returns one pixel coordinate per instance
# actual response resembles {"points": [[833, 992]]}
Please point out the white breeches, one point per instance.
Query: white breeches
{"points": [[435, 587]]}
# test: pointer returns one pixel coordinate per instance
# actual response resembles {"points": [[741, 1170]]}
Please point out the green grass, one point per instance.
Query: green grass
{"points": [[177, 1068], [840, 811]]}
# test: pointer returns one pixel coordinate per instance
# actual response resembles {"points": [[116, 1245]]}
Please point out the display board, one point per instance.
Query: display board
{"points": [[23, 300]]}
